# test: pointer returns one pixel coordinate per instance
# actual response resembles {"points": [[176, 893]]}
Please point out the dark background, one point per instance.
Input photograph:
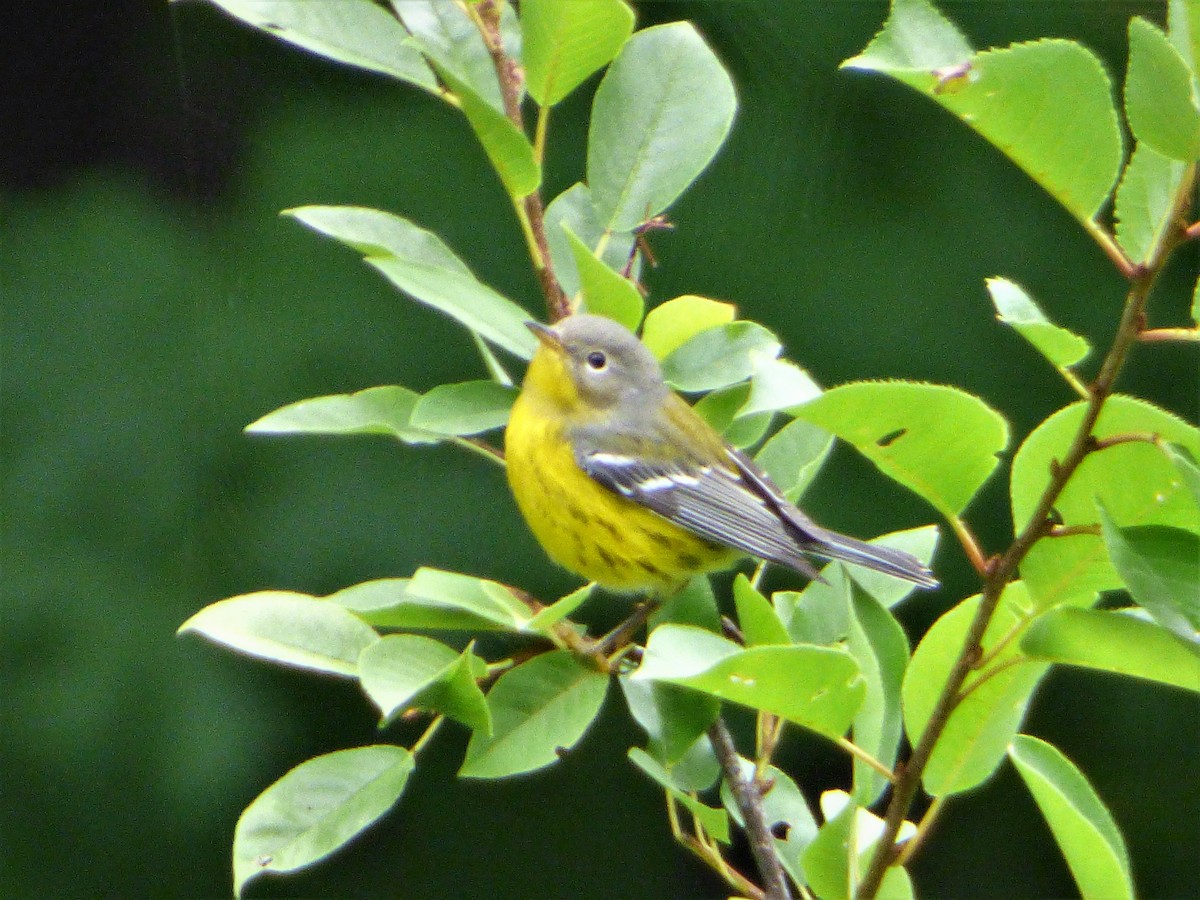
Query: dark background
{"points": [[154, 304]]}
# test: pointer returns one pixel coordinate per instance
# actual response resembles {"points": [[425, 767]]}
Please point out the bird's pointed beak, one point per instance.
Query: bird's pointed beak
{"points": [[546, 335]]}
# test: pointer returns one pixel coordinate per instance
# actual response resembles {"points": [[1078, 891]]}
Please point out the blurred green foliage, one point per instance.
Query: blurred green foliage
{"points": [[141, 332]]}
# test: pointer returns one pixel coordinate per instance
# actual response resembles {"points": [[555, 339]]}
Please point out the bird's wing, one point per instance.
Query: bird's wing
{"points": [[712, 500]]}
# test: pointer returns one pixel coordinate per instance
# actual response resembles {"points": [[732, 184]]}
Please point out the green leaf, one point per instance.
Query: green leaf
{"points": [[355, 32], [572, 209], [565, 42], [939, 442], [1185, 465], [915, 37], [288, 628], [1135, 481], [982, 725], [1083, 827], [756, 616], [888, 590], [720, 356], [778, 384], [879, 645], [544, 621], [1183, 30], [695, 604], [1145, 201], [470, 407], [1047, 104], [1016, 308], [605, 292], [831, 865], [697, 769], [817, 614], [784, 810], [794, 455], [660, 114], [408, 671], [817, 687], [672, 324], [421, 265], [378, 410], [487, 600], [506, 146], [712, 820], [316, 808], [445, 33], [387, 603], [539, 710], [1161, 568], [1160, 94], [672, 717], [1113, 642]]}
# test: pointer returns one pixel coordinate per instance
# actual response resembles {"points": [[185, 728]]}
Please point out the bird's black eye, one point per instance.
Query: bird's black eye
{"points": [[597, 360]]}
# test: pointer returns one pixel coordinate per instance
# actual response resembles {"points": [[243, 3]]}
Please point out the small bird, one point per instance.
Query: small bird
{"points": [[622, 482]]}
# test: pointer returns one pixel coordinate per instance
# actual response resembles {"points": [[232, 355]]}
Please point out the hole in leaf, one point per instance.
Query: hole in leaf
{"points": [[780, 830], [891, 437]]}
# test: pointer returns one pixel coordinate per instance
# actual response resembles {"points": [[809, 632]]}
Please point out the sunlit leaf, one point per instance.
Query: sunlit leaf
{"points": [[756, 616], [421, 265], [469, 407], [719, 356], [1113, 642], [316, 808], [817, 687], [445, 33], [794, 455], [1145, 201], [1161, 568], [1046, 104], [661, 112], [878, 644], [567, 42], [842, 850], [387, 603], [939, 442], [979, 730], [480, 597], [355, 32], [379, 410], [1014, 307], [539, 710], [288, 628], [408, 671], [1083, 827], [1135, 481], [573, 209], [605, 292], [1160, 94]]}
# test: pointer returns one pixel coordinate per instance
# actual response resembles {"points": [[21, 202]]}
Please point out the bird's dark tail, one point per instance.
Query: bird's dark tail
{"points": [[833, 545]]}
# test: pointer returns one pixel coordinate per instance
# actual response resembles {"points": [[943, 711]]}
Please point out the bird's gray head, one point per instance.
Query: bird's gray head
{"points": [[605, 361]]}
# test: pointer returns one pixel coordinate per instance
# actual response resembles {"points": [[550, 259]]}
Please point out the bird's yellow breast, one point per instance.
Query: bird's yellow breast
{"points": [[587, 528]]}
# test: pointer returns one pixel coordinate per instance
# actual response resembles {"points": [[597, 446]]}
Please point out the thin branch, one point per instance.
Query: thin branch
{"points": [[1039, 524], [1192, 232], [970, 545], [748, 795], [1129, 437], [859, 753], [1127, 267], [483, 448], [1169, 335], [1057, 531], [913, 844], [426, 735], [530, 210]]}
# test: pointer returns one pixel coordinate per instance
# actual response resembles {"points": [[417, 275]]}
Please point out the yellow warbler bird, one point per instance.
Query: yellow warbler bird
{"points": [[623, 483]]}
